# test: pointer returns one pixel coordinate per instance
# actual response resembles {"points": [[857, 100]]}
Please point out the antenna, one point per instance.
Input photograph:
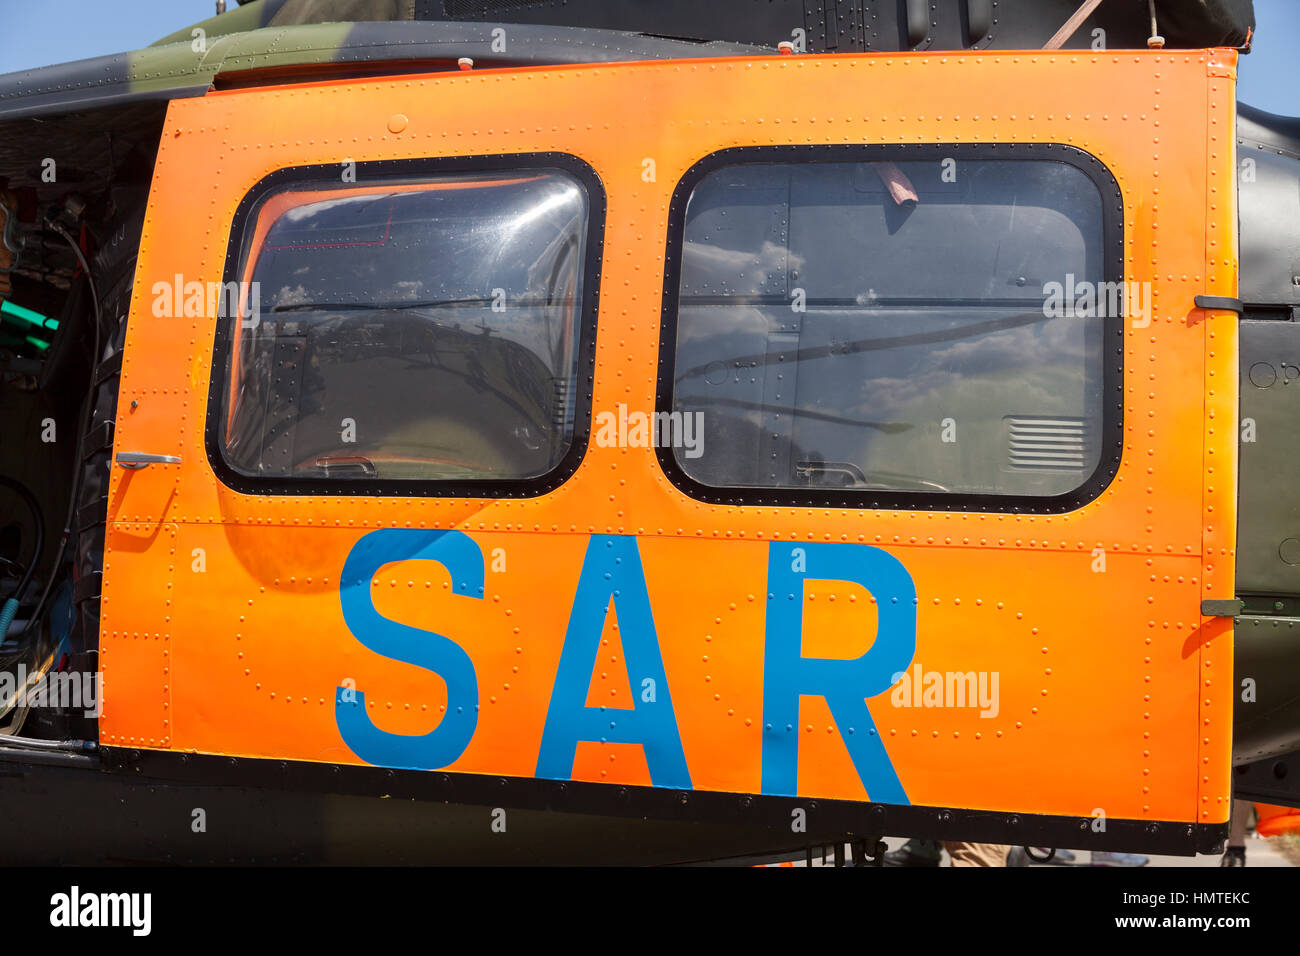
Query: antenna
{"points": [[1072, 24], [1155, 41]]}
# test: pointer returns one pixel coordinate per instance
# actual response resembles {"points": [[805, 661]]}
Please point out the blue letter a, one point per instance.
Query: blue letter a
{"points": [[845, 684], [612, 569], [459, 554]]}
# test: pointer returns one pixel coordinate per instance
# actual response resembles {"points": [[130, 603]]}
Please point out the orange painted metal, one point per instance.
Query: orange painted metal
{"points": [[1277, 821], [1115, 693]]}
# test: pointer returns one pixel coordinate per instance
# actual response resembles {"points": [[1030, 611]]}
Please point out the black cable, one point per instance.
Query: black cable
{"points": [[87, 409], [34, 506]]}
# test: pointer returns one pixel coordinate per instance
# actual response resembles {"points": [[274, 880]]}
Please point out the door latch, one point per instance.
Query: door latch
{"points": [[135, 460]]}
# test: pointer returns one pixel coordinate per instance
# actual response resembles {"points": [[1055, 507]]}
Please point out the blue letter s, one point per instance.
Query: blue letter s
{"points": [[461, 556]]}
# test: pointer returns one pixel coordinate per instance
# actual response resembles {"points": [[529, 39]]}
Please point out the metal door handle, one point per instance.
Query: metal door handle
{"points": [[135, 460]]}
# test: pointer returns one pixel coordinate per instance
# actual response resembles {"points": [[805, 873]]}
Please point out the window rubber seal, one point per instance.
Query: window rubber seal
{"points": [[586, 328], [1112, 405]]}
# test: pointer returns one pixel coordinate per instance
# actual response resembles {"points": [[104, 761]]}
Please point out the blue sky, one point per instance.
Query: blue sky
{"points": [[38, 32]]}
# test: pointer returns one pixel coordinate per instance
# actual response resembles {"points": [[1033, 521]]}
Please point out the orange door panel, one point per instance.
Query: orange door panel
{"points": [[251, 623]]}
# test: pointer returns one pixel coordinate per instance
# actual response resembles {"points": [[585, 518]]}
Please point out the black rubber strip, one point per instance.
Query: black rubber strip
{"points": [[99, 438], [93, 513], [88, 587], [150, 767], [108, 368]]}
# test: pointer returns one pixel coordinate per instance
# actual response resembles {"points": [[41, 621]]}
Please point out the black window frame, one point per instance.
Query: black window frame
{"points": [[1113, 238], [586, 329]]}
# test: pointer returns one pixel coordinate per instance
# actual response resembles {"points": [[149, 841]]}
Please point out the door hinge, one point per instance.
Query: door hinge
{"points": [[1220, 303], [1222, 607]]}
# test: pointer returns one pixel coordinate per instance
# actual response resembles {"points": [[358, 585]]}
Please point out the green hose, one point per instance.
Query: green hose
{"points": [[34, 327], [7, 616], [28, 316]]}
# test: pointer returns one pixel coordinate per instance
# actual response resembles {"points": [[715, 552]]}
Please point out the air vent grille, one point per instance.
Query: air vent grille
{"points": [[1047, 444], [484, 8]]}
